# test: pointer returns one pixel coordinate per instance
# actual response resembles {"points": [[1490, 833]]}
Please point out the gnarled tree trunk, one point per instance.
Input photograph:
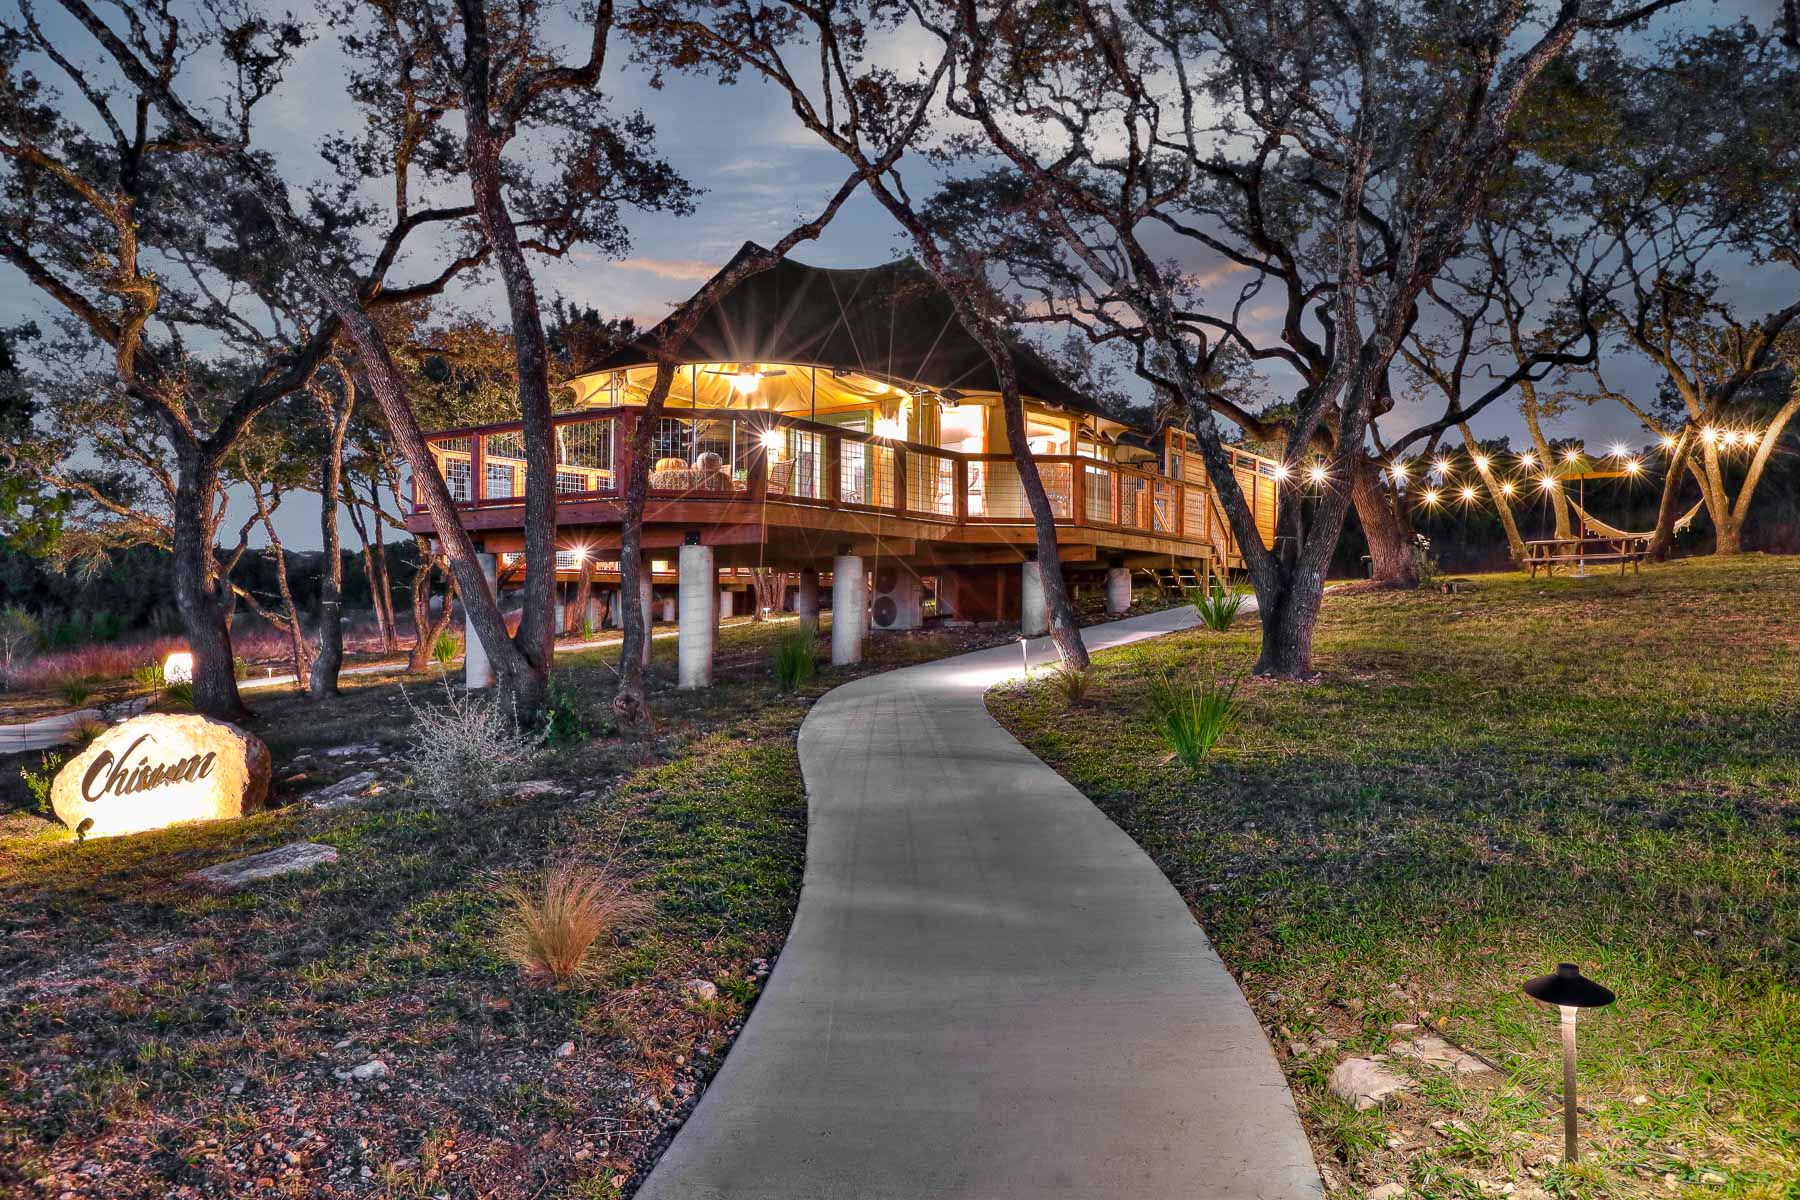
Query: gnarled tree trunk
{"points": [[1391, 558]]}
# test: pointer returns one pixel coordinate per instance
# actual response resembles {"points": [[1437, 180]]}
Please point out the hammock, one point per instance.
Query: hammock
{"points": [[1604, 530]]}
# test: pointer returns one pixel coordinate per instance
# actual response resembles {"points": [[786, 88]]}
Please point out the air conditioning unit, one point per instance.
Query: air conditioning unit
{"points": [[897, 601]]}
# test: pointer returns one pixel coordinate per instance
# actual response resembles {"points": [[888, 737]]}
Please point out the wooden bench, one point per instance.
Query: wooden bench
{"points": [[1550, 553]]}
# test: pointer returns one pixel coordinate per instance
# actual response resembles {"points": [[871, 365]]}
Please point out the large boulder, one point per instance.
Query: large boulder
{"points": [[161, 769]]}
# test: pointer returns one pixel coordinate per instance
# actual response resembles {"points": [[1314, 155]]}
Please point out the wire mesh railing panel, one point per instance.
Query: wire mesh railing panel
{"points": [[866, 474], [930, 484], [1134, 502], [1098, 486]]}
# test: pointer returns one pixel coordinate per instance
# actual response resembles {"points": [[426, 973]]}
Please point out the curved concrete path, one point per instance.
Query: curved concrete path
{"points": [[989, 992]]}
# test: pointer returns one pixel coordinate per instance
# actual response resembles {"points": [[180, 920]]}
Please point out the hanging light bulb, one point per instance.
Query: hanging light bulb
{"points": [[1571, 455], [1709, 435], [1481, 462], [1633, 466], [773, 440], [1431, 497], [1468, 495], [745, 382], [1668, 441], [1547, 482], [1528, 459], [1316, 473], [1282, 471], [1441, 467], [1618, 450], [1507, 488]]}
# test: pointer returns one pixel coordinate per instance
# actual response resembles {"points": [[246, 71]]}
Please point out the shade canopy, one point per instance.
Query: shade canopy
{"points": [[1568, 987], [891, 322]]}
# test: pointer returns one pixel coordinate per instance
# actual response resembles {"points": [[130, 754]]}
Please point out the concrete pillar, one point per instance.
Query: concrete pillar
{"points": [[806, 596], [478, 672], [726, 603], [694, 637], [1118, 590], [669, 610], [1034, 611], [849, 603], [615, 612], [644, 597]]}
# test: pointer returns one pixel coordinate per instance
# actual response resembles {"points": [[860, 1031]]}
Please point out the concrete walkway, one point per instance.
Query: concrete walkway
{"points": [[989, 992]]}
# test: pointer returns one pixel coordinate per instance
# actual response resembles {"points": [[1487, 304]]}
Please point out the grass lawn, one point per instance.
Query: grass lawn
{"points": [[161, 1041], [1478, 786]]}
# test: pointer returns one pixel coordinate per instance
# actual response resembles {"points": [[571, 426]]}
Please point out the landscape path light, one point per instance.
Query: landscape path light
{"points": [[1569, 990]]}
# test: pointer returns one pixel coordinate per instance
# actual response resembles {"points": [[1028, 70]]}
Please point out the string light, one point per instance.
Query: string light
{"points": [[1442, 467], [1481, 462], [1281, 471], [1633, 466], [1528, 459], [1316, 473], [1571, 455], [1709, 435], [1547, 482], [1618, 450], [1507, 488], [1668, 441], [1431, 497], [1468, 495], [1735, 437]]}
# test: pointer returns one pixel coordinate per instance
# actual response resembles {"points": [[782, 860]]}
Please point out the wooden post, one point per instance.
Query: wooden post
{"points": [[477, 468]]}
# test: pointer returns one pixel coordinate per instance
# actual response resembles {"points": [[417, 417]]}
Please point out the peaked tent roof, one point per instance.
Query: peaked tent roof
{"points": [[893, 322]]}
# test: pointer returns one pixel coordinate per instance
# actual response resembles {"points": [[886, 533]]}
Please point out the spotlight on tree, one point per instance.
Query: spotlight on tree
{"points": [[1569, 990]]}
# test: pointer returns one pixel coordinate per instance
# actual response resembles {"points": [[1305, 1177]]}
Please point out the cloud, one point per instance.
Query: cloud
{"points": [[672, 268]]}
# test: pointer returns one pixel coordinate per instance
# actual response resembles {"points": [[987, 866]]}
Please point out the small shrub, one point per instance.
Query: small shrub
{"points": [[794, 656], [38, 782], [1218, 606], [589, 631], [240, 669], [148, 679], [1423, 564], [549, 931], [1192, 717], [1070, 684], [74, 690], [444, 651], [178, 697], [562, 722], [107, 627], [467, 751]]}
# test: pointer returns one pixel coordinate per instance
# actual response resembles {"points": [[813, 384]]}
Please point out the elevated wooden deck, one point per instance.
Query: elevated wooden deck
{"points": [[778, 491]]}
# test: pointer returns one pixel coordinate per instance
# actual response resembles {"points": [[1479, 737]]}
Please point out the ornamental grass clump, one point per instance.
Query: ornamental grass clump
{"points": [[467, 750], [794, 655], [1071, 683], [1218, 606], [1191, 716], [550, 930]]}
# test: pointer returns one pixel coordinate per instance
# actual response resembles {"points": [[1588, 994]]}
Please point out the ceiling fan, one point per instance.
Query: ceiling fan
{"points": [[745, 381]]}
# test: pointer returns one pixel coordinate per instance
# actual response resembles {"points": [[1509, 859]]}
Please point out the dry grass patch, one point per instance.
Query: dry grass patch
{"points": [[550, 930]]}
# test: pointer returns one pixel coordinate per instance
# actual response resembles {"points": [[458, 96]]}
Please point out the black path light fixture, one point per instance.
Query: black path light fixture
{"points": [[1569, 990]]}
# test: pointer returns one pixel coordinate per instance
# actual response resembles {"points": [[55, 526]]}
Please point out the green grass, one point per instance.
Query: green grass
{"points": [[1603, 771]]}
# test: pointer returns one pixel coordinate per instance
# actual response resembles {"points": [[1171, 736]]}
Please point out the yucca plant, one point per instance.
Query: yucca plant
{"points": [[1218, 606], [794, 655], [75, 690], [549, 931], [443, 651], [1193, 717]]}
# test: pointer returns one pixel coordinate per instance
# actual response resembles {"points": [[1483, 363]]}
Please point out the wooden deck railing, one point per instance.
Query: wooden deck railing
{"points": [[726, 454]]}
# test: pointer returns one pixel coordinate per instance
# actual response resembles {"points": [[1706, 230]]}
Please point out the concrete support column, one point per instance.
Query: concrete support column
{"points": [[478, 672], [806, 596], [669, 610], [849, 604], [727, 603], [1034, 611], [645, 595], [694, 637], [1118, 590]]}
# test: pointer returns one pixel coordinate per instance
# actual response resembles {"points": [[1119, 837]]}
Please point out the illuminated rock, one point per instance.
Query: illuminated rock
{"points": [[162, 769]]}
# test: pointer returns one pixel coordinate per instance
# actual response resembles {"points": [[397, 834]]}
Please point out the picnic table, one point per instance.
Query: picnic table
{"points": [[1550, 553]]}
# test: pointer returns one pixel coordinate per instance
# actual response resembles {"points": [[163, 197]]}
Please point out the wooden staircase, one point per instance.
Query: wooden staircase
{"points": [[1176, 581]]}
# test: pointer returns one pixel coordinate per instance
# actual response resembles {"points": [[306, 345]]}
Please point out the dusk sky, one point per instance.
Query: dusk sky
{"points": [[760, 172]]}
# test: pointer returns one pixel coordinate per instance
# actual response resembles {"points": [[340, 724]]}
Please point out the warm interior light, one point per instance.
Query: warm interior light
{"points": [[178, 668], [773, 440], [745, 382], [890, 428]]}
